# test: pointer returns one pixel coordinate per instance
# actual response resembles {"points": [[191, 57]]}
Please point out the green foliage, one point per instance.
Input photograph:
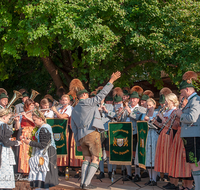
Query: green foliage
{"points": [[139, 38]]}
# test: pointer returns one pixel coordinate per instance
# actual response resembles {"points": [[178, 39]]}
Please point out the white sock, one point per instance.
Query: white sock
{"points": [[154, 175], [150, 177], [91, 171], [137, 171], [128, 168], [114, 167]]}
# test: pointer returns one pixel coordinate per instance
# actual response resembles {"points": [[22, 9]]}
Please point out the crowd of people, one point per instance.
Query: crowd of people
{"points": [[172, 145]]}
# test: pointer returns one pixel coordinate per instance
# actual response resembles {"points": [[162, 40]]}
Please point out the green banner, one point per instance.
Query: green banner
{"points": [[142, 132], [59, 127], [120, 143]]}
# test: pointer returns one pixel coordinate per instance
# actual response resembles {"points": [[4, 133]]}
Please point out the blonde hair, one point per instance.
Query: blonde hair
{"points": [[65, 96], [173, 98], [151, 100], [4, 111]]}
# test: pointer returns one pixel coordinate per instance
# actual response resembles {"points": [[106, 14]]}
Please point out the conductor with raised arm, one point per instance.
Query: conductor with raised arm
{"points": [[86, 125]]}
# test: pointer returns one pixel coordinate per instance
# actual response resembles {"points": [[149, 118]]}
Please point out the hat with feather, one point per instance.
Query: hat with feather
{"points": [[3, 93], [136, 92], [24, 92], [147, 94], [76, 87], [163, 92], [117, 94], [187, 79], [49, 98], [126, 91], [93, 94], [61, 91], [109, 97], [99, 89]]}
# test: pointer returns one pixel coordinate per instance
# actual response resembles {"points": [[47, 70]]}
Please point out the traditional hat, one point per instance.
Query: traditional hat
{"points": [[163, 92], [71, 98], [99, 89], [49, 97], [3, 93], [93, 94], [61, 91], [135, 92], [126, 91], [147, 94], [2, 90], [109, 97], [187, 79], [76, 88], [117, 94], [23, 92]]}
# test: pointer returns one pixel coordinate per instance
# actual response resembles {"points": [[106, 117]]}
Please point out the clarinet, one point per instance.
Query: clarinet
{"points": [[172, 122], [163, 126]]}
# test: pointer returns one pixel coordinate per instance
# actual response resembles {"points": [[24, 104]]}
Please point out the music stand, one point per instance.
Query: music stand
{"points": [[151, 126]]}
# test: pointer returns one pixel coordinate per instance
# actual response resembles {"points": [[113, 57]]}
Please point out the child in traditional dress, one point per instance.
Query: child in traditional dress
{"points": [[7, 158]]}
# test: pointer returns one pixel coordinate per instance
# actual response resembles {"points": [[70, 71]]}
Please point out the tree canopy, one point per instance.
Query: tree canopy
{"points": [[47, 43]]}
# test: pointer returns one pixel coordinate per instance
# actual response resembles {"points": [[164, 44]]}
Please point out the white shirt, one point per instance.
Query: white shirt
{"points": [[67, 110], [49, 114], [193, 94]]}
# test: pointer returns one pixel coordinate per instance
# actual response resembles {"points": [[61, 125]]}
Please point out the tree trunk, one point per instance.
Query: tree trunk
{"points": [[52, 71]]}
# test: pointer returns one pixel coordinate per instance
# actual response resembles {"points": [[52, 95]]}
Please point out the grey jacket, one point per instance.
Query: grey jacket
{"points": [[190, 118], [134, 116], [19, 108], [86, 117]]}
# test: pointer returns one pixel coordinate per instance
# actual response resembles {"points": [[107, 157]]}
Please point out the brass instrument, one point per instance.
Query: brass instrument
{"points": [[173, 119], [163, 126], [15, 97], [34, 93]]}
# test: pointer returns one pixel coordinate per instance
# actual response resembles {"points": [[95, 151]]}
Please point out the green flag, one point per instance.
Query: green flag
{"points": [[120, 143], [59, 128], [142, 132]]}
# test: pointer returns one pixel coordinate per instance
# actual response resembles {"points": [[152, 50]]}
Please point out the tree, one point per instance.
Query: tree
{"points": [[92, 38]]}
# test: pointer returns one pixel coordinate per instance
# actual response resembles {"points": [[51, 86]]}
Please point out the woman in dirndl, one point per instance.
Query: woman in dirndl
{"points": [[165, 141], [151, 144], [179, 168], [7, 158], [43, 174]]}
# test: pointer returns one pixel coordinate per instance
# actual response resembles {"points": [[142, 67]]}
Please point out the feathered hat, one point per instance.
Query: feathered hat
{"points": [[135, 92], [76, 87], [99, 89], [61, 91], [23, 92], [163, 92], [93, 93], [117, 94], [187, 79], [126, 91], [147, 94], [49, 97], [3, 93]]}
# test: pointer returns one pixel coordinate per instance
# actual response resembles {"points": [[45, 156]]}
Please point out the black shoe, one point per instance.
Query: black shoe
{"points": [[109, 174], [172, 186], [158, 178], [101, 175], [90, 186], [165, 178], [147, 183], [127, 178], [145, 174], [153, 183], [76, 175], [169, 184], [61, 173], [136, 178]]}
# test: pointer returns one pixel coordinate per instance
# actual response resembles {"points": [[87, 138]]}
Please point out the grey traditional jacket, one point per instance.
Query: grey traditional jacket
{"points": [[19, 108], [190, 118], [106, 118], [134, 116], [86, 117]]}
